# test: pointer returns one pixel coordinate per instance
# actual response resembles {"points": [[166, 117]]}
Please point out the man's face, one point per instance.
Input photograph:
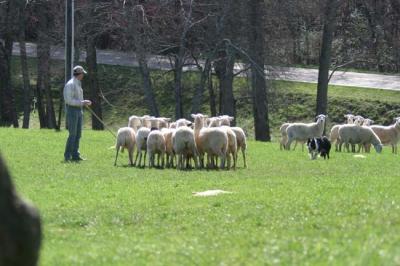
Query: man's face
{"points": [[80, 76]]}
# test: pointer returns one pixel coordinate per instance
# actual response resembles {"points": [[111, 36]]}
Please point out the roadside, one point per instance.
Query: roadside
{"points": [[110, 57]]}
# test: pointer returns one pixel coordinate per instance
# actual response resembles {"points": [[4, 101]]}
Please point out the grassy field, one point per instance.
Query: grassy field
{"points": [[284, 210]]}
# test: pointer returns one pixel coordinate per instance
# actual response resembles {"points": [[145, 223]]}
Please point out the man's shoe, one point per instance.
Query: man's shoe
{"points": [[78, 159]]}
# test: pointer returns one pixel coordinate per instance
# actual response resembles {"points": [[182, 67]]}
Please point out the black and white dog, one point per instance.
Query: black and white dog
{"points": [[320, 146]]}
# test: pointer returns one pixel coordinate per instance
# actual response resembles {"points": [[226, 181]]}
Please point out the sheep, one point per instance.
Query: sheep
{"points": [[334, 135], [354, 134], [134, 122], [240, 136], [213, 141], [141, 142], [302, 131], [389, 134], [169, 149], [125, 139], [232, 142], [163, 122], [156, 145], [283, 141], [184, 145]]}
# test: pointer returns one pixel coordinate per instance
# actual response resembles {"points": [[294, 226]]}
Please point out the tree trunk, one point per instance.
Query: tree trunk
{"points": [[43, 51], [20, 226], [199, 93], [259, 87], [224, 70], [24, 68], [213, 105], [91, 61], [325, 56], [8, 112], [147, 85], [178, 87]]}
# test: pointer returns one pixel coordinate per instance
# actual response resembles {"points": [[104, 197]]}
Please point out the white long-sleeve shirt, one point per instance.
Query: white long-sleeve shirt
{"points": [[73, 93]]}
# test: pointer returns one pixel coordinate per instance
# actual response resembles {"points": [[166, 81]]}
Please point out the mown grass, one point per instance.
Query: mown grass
{"points": [[284, 210]]}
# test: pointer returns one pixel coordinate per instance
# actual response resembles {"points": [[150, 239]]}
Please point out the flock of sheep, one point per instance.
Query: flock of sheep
{"points": [[178, 144], [356, 130]]}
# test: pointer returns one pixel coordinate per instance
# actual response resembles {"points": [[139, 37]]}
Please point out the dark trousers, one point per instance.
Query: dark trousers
{"points": [[74, 125]]}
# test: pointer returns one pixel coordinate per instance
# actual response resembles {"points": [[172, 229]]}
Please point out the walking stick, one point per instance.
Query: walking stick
{"points": [[101, 121]]}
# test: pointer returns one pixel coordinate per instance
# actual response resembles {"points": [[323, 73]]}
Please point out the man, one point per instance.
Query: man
{"points": [[73, 98]]}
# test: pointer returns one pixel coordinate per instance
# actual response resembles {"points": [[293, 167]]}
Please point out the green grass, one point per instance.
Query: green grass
{"points": [[285, 209]]}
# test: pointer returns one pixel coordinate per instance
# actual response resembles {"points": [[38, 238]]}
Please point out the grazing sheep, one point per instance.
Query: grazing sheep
{"points": [[213, 141], [134, 122], [354, 134], [389, 135], [240, 136], [184, 145], [156, 145], [141, 142], [125, 139], [334, 135], [302, 132]]}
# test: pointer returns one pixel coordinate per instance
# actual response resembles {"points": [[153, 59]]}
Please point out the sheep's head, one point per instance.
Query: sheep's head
{"points": [[199, 119], [183, 122], [367, 122], [358, 120], [350, 118], [378, 148], [226, 120]]}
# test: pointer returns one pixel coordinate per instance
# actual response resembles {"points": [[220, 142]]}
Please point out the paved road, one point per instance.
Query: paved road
{"points": [[388, 82]]}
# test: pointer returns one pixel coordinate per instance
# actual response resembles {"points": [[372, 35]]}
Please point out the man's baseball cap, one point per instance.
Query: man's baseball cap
{"points": [[79, 70]]}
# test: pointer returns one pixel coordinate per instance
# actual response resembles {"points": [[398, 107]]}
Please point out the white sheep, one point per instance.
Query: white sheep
{"points": [[232, 142], [169, 149], [284, 138], [240, 136], [389, 135], [141, 142], [302, 131], [156, 145], [125, 139], [184, 145], [355, 134], [213, 141], [134, 122], [334, 134], [163, 122]]}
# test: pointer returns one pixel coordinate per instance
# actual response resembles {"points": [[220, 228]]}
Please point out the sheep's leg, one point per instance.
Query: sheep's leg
{"points": [[137, 153], [130, 152], [162, 160], [222, 155], [144, 159], [244, 157], [228, 160], [288, 144], [116, 157]]}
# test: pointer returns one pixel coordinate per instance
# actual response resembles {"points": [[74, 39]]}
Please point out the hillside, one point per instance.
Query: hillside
{"points": [[289, 101]]}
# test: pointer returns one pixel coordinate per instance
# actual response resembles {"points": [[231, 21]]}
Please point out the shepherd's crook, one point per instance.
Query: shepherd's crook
{"points": [[101, 121]]}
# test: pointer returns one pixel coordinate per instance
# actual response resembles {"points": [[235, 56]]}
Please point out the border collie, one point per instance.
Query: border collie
{"points": [[320, 146]]}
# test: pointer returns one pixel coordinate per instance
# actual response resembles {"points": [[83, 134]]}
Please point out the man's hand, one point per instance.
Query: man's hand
{"points": [[86, 102]]}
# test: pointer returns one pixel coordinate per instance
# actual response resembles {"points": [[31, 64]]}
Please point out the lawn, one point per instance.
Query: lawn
{"points": [[284, 210]]}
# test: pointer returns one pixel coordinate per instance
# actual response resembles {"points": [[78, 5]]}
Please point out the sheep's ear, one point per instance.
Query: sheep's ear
{"points": [[231, 118], [193, 115]]}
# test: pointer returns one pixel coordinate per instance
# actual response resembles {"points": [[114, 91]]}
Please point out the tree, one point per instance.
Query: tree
{"points": [[139, 40], [325, 56], [257, 43], [8, 112]]}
